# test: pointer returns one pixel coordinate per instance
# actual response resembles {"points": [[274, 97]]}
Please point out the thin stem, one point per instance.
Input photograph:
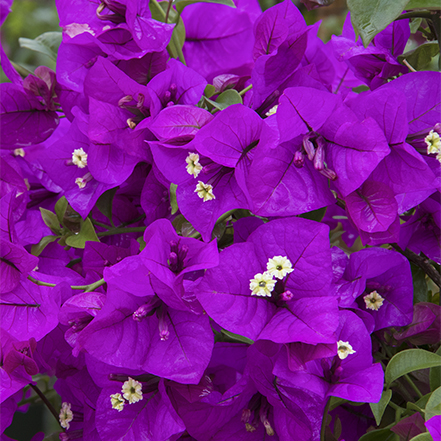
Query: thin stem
{"points": [[413, 386], [244, 91], [121, 231], [414, 14], [35, 398], [125, 224], [341, 80], [420, 262], [409, 66], [325, 415], [395, 406], [40, 283], [168, 10], [46, 401], [100, 224], [91, 287]]}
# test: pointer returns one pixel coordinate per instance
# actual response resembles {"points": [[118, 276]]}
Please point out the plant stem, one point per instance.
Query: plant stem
{"points": [[325, 415], [244, 91], [40, 283], [413, 386], [414, 14], [46, 401], [100, 224], [86, 288], [420, 262], [168, 10], [121, 231]]}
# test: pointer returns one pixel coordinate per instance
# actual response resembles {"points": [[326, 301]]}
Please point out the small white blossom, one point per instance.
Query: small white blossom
{"points": [[79, 158], [117, 402], [373, 301], [433, 142], [66, 415], [193, 166], [344, 349], [279, 266], [272, 111], [19, 152], [262, 284], [205, 191], [81, 182], [132, 390]]}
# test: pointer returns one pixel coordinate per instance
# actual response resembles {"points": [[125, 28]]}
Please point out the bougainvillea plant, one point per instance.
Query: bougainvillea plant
{"points": [[214, 226]]}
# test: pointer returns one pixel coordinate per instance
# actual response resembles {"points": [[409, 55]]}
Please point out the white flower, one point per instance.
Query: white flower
{"points": [[66, 415], [279, 266], [344, 349], [433, 142], [19, 152], [132, 390], [373, 301], [262, 284], [272, 111], [79, 158], [117, 402], [193, 166], [205, 191], [81, 182]]}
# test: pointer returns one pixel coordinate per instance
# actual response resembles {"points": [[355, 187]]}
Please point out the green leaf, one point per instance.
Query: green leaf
{"points": [[408, 361], [87, 233], [379, 408], [378, 435], [60, 208], [237, 337], [46, 43], [423, 4], [51, 220], [419, 284], [315, 215], [159, 11], [105, 203], [181, 4], [37, 249], [415, 23], [433, 406], [372, 16], [141, 242], [209, 91], [228, 98], [435, 375], [173, 200], [422, 402], [426, 436], [421, 57]]}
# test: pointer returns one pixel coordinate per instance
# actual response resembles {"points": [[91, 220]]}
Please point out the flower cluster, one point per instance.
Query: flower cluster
{"points": [[167, 200]]}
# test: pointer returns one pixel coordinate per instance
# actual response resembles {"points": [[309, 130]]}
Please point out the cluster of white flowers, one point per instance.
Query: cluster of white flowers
{"points": [[263, 283], [204, 191], [131, 391], [433, 142]]}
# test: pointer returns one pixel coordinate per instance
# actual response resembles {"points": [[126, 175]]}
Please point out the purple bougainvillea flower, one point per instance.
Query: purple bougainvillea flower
{"points": [[350, 374], [136, 419], [225, 47], [171, 259], [297, 307], [176, 85], [425, 326], [328, 132], [375, 64], [30, 310], [421, 233], [24, 120], [380, 282], [280, 34], [143, 333], [434, 426]]}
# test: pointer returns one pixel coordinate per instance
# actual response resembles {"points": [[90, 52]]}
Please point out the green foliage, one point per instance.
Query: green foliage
{"points": [[105, 203], [173, 200], [237, 337], [51, 220], [46, 43], [435, 375], [378, 435], [224, 100], [419, 284], [315, 215], [87, 233], [37, 249], [421, 57], [433, 406], [408, 361], [371, 17], [423, 4], [379, 408]]}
